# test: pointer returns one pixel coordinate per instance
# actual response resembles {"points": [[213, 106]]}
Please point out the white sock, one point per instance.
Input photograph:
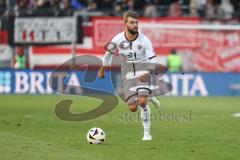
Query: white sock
{"points": [[145, 117]]}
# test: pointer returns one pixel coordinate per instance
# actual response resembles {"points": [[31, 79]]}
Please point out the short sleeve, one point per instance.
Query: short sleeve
{"points": [[112, 47]]}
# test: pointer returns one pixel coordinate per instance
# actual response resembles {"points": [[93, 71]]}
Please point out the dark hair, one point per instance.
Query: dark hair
{"points": [[128, 14]]}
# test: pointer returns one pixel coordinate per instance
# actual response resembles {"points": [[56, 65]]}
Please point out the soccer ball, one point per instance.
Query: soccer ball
{"points": [[95, 136]]}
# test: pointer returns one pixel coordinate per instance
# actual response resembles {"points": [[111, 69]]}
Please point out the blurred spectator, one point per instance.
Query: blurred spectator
{"points": [[67, 10], [236, 6], [117, 10], [210, 10], [3, 7], [130, 5], [92, 6], [184, 6], [193, 8], [22, 8], [150, 10], [226, 9], [163, 7], [55, 7], [78, 4], [201, 7], [6, 56], [174, 61], [42, 8], [21, 60], [175, 9]]}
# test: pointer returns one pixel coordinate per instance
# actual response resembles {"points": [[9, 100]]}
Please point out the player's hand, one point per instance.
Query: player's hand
{"points": [[101, 73], [145, 77]]}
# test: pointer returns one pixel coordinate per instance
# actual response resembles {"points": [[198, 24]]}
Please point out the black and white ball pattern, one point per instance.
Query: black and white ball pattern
{"points": [[95, 136]]}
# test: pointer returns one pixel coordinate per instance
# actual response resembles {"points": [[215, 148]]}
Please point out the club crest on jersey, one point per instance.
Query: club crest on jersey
{"points": [[139, 46]]}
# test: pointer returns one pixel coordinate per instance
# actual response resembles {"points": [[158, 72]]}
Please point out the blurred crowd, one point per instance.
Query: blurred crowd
{"points": [[209, 9]]}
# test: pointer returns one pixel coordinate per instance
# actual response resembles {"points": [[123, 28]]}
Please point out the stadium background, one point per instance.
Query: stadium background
{"points": [[50, 32]]}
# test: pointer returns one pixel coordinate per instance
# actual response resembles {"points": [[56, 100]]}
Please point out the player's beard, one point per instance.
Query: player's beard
{"points": [[133, 31]]}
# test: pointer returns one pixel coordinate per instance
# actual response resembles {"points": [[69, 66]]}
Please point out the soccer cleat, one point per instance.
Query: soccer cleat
{"points": [[155, 101], [147, 137]]}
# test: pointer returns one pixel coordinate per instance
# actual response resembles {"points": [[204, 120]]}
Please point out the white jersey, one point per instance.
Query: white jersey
{"points": [[132, 53]]}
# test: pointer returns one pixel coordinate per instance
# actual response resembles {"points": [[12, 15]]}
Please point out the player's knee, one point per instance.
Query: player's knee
{"points": [[142, 102], [133, 107]]}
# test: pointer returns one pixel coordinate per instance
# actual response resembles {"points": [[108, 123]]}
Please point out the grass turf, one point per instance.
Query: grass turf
{"points": [[29, 129]]}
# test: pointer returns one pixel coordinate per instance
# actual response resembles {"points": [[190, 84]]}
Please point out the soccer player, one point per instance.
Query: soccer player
{"points": [[135, 50]]}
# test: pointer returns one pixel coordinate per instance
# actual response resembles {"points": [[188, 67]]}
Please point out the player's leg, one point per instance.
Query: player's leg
{"points": [[155, 101], [130, 96], [136, 98], [152, 98], [134, 102], [145, 116]]}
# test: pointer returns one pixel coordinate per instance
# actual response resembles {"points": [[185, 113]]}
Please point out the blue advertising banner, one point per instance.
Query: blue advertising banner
{"points": [[37, 82], [191, 84], [204, 84]]}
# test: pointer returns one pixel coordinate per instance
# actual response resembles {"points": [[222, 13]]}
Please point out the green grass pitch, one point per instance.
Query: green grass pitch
{"points": [[29, 129]]}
